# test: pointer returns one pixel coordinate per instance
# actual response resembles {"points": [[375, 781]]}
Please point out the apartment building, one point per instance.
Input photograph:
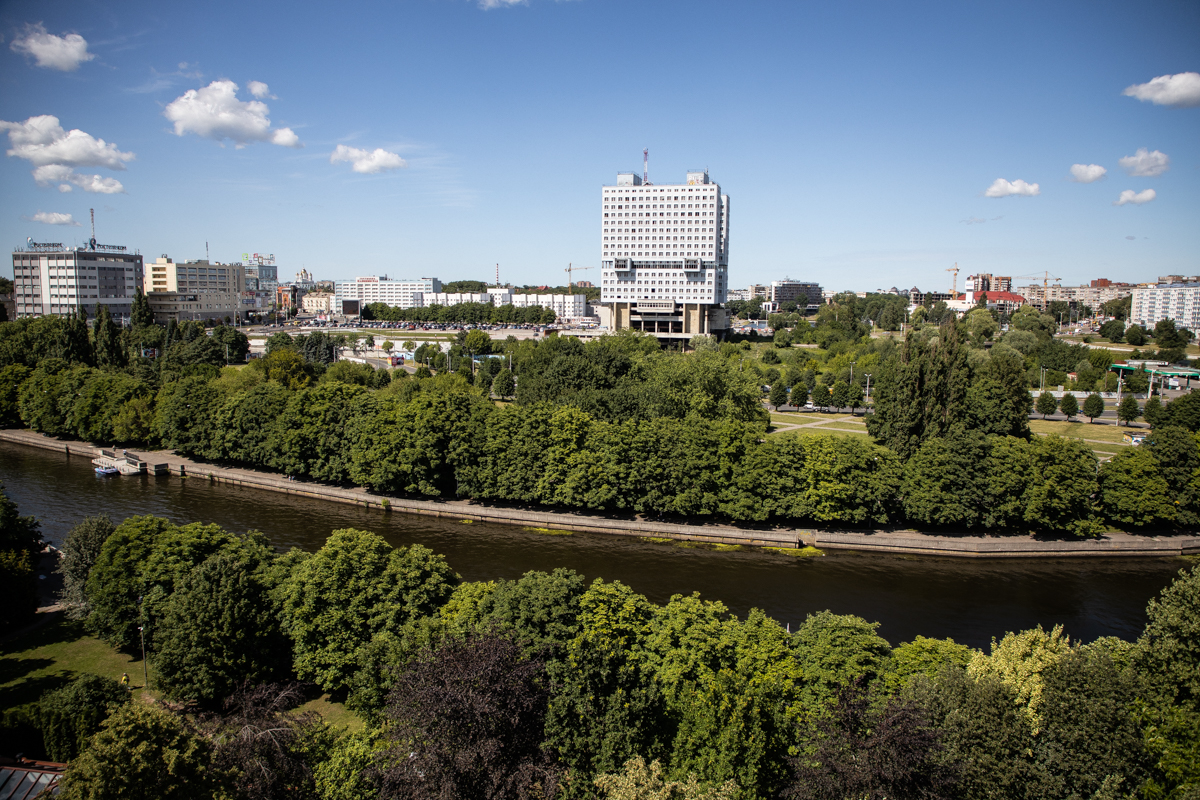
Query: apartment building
{"points": [[803, 294], [403, 293], [664, 256], [1094, 295], [49, 278], [1173, 297]]}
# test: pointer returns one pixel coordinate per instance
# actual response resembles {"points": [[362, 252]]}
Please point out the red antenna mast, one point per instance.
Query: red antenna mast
{"points": [[646, 165], [497, 274]]}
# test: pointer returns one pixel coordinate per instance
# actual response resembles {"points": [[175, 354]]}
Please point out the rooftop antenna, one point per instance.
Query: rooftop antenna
{"points": [[646, 166], [497, 274], [92, 242], [206, 258]]}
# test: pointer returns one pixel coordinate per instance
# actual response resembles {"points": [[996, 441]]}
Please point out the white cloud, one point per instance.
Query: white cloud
{"points": [[64, 176], [41, 140], [1003, 188], [1143, 164], [1087, 173], [260, 90], [64, 53], [368, 162], [1137, 198], [487, 5], [214, 112], [52, 218], [1181, 90]]}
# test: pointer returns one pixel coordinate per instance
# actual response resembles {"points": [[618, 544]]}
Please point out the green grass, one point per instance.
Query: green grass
{"points": [[334, 713], [54, 654], [1082, 430], [549, 531], [807, 551]]}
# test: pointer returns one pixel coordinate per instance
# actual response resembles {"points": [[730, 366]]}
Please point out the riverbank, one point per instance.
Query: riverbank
{"points": [[900, 542]]}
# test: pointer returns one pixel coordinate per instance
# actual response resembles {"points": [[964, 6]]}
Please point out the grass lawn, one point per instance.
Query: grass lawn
{"points": [[1082, 430], [820, 431], [60, 650], [797, 418]]}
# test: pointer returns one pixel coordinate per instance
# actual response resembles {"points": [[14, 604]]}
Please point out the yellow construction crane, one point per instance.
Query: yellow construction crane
{"points": [[954, 281], [1045, 277], [570, 269]]}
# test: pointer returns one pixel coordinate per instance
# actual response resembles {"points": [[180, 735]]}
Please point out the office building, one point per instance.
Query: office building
{"points": [[1173, 297], [381, 289], [565, 306], [49, 278], [317, 303], [664, 256], [195, 290], [804, 295]]}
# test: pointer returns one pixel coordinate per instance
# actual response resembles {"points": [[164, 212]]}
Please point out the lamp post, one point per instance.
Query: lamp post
{"points": [[145, 670], [868, 397]]}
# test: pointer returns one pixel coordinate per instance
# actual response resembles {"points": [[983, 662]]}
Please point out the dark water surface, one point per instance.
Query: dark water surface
{"points": [[970, 600]]}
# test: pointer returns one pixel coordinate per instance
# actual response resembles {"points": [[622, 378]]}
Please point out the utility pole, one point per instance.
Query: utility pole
{"points": [[868, 398]]}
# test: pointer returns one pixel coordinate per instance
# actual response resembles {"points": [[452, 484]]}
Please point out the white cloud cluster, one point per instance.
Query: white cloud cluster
{"points": [[1136, 198], [1181, 90], [1087, 173], [260, 90], [215, 112], [487, 5], [64, 53], [367, 162], [1019, 188], [55, 152], [53, 218], [1146, 164]]}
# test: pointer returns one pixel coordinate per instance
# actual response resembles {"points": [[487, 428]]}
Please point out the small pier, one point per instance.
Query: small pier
{"points": [[128, 463]]}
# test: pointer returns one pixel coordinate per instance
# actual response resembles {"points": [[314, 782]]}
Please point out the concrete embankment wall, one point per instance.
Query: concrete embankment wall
{"points": [[907, 542]]}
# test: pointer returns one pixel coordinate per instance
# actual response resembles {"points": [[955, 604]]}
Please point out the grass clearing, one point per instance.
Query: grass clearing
{"points": [[334, 713], [53, 655], [727, 548], [1081, 430], [657, 539]]}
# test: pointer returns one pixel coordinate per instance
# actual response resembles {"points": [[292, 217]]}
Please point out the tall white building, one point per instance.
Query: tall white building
{"points": [[1178, 300], [664, 256], [381, 289], [49, 278]]}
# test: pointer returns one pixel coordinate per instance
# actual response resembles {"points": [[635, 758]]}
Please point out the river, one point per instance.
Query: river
{"points": [[968, 599]]}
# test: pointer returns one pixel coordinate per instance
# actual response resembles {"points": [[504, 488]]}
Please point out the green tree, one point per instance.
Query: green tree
{"points": [[779, 395], [1177, 454], [106, 340], [388, 346], [1128, 410], [354, 587], [944, 481], [1046, 404], [831, 652], [1135, 335], [1138, 381], [640, 781], [1133, 492], [115, 581], [141, 316], [11, 378], [854, 397], [1020, 661], [219, 629], [79, 553], [799, 394], [69, 716], [1093, 406], [821, 396], [142, 753], [1069, 405], [840, 396], [1153, 412], [184, 417], [477, 342]]}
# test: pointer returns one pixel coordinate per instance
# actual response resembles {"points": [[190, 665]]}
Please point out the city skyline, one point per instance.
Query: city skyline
{"points": [[867, 148]]}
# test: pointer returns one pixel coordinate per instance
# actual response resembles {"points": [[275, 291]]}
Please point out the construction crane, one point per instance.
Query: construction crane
{"points": [[570, 269], [1045, 277], [954, 281]]}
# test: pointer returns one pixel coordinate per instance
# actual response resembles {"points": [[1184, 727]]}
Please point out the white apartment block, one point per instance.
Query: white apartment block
{"points": [[565, 306], [317, 303], [381, 289], [1177, 301], [664, 256], [49, 278]]}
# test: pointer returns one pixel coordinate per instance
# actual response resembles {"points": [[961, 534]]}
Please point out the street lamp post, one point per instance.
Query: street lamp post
{"points": [[145, 670], [868, 397]]}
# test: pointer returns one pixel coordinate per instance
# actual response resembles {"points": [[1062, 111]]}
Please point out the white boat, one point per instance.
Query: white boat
{"points": [[107, 471]]}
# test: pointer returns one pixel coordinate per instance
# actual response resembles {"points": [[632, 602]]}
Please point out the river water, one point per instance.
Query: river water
{"points": [[968, 599]]}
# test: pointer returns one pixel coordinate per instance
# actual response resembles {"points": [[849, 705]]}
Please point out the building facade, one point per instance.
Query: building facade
{"points": [[381, 289], [317, 303], [565, 306], [804, 295], [664, 256], [1178, 300], [1093, 295], [49, 278], [195, 290]]}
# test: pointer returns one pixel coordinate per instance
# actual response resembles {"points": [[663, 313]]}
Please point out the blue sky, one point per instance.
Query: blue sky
{"points": [[858, 141]]}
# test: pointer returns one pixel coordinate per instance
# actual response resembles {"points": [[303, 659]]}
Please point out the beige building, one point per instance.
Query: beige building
{"points": [[317, 303], [1094, 295], [196, 290]]}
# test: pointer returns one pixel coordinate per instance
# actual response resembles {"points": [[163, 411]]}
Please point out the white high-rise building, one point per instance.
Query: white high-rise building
{"points": [[664, 264], [402, 293]]}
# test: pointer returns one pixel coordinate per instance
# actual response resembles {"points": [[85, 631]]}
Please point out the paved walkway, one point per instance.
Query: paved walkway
{"points": [[903, 541]]}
